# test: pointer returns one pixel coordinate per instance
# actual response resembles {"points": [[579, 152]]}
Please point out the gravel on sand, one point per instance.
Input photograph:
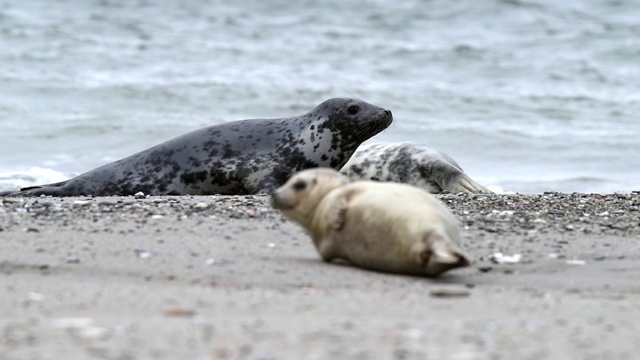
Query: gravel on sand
{"points": [[227, 277]]}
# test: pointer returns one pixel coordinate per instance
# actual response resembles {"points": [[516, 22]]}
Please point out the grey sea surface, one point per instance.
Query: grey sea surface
{"points": [[528, 96]]}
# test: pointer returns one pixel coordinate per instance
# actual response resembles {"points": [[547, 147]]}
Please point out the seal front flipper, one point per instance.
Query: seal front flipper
{"points": [[266, 186], [467, 185], [337, 216]]}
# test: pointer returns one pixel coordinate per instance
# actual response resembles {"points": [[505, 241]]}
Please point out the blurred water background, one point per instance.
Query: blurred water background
{"points": [[528, 96]]}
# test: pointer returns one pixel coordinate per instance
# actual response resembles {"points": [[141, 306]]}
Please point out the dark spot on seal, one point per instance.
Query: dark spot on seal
{"points": [[193, 177]]}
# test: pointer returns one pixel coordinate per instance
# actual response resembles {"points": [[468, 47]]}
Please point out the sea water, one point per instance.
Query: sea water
{"points": [[527, 96]]}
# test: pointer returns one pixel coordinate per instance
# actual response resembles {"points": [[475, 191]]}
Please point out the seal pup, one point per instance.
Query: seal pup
{"points": [[387, 227], [411, 163], [234, 158]]}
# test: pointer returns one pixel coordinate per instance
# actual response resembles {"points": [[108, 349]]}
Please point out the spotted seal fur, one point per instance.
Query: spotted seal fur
{"points": [[411, 163], [234, 158], [388, 227]]}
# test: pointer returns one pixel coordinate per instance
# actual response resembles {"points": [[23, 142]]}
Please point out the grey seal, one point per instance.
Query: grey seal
{"points": [[234, 158], [411, 163], [388, 227]]}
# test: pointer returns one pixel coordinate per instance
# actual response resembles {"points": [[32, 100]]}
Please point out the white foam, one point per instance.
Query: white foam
{"points": [[498, 189], [10, 180]]}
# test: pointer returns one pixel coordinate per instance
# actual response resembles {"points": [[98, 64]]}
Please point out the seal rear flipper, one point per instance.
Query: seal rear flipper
{"points": [[438, 254], [57, 189], [58, 184], [9, 193]]}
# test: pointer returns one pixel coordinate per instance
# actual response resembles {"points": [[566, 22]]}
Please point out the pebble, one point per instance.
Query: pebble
{"points": [[80, 203], [500, 258], [576, 262], [449, 292], [179, 312], [36, 296], [142, 254], [72, 260]]}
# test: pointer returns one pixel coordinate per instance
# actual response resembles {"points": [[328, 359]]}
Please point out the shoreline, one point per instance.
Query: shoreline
{"points": [[229, 277]]}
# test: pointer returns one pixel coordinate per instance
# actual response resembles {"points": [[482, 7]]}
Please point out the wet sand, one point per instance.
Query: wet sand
{"points": [[229, 278]]}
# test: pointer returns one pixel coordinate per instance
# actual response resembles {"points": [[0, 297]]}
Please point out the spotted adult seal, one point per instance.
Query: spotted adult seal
{"points": [[411, 163], [387, 227], [234, 158]]}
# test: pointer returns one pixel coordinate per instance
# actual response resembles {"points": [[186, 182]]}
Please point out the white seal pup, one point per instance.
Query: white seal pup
{"points": [[234, 158], [387, 227], [411, 163]]}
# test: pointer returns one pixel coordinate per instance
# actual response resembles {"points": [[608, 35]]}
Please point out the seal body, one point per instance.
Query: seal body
{"points": [[234, 158], [411, 163], [387, 227]]}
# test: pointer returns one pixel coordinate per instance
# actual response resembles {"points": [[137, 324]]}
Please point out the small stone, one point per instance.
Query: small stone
{"points": [[138, 195], [80, 204], [250, 212], [450, 292], [36, 296], [11, 201], [156, 217], [576, 262], [271, 245], [500, 258], [142, 254], [179, 313], [491, 229], [70, 323], [201, 205], [72, 260]]}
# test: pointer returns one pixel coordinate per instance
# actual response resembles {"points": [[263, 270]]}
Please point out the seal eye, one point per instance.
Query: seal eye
{"points": [[299, 185], [352, 110]]}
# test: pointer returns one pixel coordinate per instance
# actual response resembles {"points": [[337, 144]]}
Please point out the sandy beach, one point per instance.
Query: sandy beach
{"points": [[225, 277]]}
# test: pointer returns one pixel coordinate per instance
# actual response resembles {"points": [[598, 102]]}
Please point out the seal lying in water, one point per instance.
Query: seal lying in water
{"points": [[234, 158], [411, 163], [387, 227]]}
